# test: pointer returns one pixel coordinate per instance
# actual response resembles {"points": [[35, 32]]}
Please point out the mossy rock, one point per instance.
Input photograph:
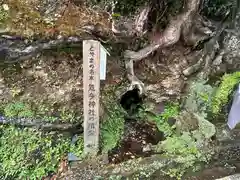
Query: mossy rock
{"points": [[225, 89]]}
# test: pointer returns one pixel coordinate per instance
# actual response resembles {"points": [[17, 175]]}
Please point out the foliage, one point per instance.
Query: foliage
{"points": [[18, 109], [112, 128], [184, 151], [34, 153], [24, 19], [174, 7], [217, 9], [171, 111], [186, 148], [42, 111], [224, 90], [112, 125], [77, 147], [30, 19]]}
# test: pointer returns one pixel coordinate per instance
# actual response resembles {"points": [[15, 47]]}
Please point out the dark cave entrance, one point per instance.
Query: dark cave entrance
{"points": [[131, 101]]}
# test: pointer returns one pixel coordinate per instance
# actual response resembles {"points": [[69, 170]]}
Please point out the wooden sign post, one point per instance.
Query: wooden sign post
{"points": [[92, 53]]}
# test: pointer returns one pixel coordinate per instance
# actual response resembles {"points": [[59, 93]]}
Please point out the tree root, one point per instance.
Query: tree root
{"points": [[170, 36], [209, 56]]}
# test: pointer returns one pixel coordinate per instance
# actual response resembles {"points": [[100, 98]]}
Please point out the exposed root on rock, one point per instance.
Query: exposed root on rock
{"points": [[210, 55], [170, 36]]}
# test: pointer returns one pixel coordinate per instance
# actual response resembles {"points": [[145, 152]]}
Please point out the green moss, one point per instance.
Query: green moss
{"points": [[183, 150], [221, 97], [199, 99], [34, 153], [24, 19]]}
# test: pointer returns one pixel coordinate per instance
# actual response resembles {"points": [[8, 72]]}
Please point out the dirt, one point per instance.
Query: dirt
{"points": [[137, 141], [53, 79]]}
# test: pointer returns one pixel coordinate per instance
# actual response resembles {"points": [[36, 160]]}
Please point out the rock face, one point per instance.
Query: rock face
{"points": [[162, 73], [232, 177]]}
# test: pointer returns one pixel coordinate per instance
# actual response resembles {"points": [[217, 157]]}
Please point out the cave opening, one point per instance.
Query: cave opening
{"points": [[131, 101]]}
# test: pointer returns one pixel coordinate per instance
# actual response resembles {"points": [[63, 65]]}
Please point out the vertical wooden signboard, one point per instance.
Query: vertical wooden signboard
{"points": [[91, 88]]}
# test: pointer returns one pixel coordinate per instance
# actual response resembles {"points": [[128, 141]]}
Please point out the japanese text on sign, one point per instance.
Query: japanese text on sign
{"points": [[91, 94]]}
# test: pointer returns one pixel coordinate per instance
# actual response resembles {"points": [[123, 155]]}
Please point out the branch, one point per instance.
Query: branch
{"points": [[13, 49], [40, 124], [141, 21]]}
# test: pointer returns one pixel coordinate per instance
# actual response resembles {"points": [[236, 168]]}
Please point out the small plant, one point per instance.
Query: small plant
{"points": [[183, 148], [66, 115], [45, 112], [221, 97], [18, 109], [112, 125], [171, 111], [77, 147]]}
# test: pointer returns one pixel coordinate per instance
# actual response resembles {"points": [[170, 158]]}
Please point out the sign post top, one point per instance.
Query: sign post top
{"points": [[95, 41], [102, 57]]}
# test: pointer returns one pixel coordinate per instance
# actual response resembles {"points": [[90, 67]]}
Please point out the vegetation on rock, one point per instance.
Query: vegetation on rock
{"points": [[112, 125], [221, 98]]}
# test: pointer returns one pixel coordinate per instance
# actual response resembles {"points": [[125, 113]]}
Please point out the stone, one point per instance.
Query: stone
{"points": [[72, 157], [5, 7], [147, 148], [206, 127]]}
